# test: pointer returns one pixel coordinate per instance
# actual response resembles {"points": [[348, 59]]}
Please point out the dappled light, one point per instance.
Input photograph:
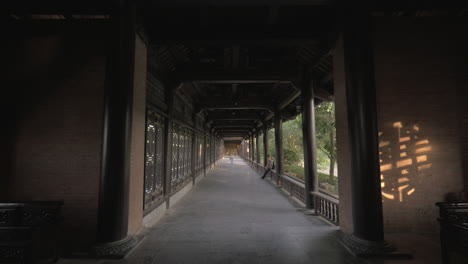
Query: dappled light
{"points": [[404, 160]]}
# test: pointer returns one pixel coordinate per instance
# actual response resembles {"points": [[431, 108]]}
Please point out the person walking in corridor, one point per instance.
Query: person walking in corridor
{"points": [[268, 167]]}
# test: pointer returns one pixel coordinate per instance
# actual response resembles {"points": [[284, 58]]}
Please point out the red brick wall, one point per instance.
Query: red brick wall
{"points": [[59, 83], [421, 69]]}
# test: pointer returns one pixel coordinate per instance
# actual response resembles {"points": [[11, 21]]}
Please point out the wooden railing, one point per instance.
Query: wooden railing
{"points": [[327, 207], [324, 205], [295, 187], [453, 232], [29, 231]]}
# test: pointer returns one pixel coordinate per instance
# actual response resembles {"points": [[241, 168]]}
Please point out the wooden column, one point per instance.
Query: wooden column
{"points": [[368, 235], [211, 150], [258, 147], [194, 144], [308, 131], [112, 221], [279, 144], [265, 145], [245, 148], [252, 137], [250, 149], [252, 143], [170, 94], [204, 153]]}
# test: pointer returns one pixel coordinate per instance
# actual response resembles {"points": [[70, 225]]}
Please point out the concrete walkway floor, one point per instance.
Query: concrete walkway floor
{"points": [[232, 216]]}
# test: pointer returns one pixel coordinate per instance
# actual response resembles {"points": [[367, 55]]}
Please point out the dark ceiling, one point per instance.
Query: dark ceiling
{"points": [[240, 61]]}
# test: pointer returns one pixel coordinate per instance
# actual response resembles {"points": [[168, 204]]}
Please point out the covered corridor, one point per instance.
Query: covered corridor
{"points": [[231, 216], [118, 115]]}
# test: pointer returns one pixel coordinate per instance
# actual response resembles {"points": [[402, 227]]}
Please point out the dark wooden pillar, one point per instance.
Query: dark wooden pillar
{"points": [[279, 144], [257, 146], [265, 144], [194, 144], [246, 145], [170, 94], [204, 153], [252, 140], [250, 148], [112, 222], [252, 143], [368, 235], [211, 150], [308, 130]]}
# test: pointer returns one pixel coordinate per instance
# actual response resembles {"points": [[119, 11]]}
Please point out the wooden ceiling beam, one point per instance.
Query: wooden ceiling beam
{"points": [[247, 3], [233, 124], [240, 81], [289, 99], [252, 103], [57, 7], [230, 76], [227, 117]]}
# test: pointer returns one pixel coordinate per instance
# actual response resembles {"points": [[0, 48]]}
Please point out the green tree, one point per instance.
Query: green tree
{"points": [[293, 140], [271, 143], [325, 133]]}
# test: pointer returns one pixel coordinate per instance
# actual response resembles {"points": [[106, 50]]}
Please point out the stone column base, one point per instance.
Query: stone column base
{"points": [[116, 249], [365, 248]]}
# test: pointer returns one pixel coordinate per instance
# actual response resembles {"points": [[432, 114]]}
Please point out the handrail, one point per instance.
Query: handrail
{"points": [[294, 179], [327, 207]]}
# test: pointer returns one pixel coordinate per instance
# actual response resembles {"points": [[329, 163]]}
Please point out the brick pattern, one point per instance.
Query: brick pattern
{"points": [[420, 69], [59, 130]]}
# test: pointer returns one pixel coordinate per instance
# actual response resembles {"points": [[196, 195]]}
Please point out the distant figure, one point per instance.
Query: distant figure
{"points": [[268, 167], [231, 158]]}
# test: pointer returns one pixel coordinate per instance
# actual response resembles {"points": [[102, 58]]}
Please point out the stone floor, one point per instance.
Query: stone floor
{"points": [[232, 216]]}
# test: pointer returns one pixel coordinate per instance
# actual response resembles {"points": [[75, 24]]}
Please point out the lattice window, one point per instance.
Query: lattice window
{"points": [[208, 151], [175, 152], [154, 158], [186, 154], [199, 152], [180, 173], [189, 152]]}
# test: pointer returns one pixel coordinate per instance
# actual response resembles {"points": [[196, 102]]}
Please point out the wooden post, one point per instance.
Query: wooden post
{"points": [[204, 153], [252, 140], [279, 144], [194, 145], [265, 145], [308, 131], [112, 220], [258, 148], [168, 145], [368, 236]]}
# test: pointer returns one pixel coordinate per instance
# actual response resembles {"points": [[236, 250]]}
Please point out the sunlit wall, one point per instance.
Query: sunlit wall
{"points": [[421, 67]]}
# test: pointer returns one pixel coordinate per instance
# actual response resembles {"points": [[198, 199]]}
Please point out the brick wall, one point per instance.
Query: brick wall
{"points": [[421, 77], [57, 84]]}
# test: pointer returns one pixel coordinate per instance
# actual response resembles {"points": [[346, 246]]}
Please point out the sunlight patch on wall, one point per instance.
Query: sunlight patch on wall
{"points": [[404, 160]]}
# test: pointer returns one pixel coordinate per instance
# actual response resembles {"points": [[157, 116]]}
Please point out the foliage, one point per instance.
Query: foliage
{"points": [[293, 159], [261, 151], [293, 141], [325, 132], [271, 143], [298, 171], [294, 170]]}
